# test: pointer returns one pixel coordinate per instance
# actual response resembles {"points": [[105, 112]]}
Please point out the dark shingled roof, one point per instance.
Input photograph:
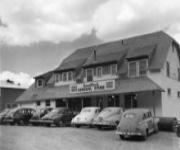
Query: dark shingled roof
{"points": [[75, 60], [157, 42], [122, 86], [45, 76]]}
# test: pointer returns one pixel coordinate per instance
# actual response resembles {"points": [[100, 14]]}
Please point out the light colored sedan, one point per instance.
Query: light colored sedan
{"points": [[86, 116], [137, 122], [108, 117]]}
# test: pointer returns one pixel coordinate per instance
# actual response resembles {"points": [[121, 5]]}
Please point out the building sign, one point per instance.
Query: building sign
{"points": [[92, 86]]}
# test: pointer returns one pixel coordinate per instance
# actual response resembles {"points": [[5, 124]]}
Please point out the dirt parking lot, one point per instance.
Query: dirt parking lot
{"points": [[68, 138]]}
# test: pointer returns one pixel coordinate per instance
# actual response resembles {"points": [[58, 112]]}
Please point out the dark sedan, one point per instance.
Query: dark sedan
{"points": [[35, 120], [19, 116], [58, 116]]}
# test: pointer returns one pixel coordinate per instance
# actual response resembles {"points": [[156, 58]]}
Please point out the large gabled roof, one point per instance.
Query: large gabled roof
{"points": [[158, 42]]}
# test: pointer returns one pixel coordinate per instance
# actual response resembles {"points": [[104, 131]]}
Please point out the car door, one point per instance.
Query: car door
{"points": [[150, 122]]}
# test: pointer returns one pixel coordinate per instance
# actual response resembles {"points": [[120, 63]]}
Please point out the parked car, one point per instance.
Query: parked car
{"points": [[85, 117], [137, 122], [108, 117], [3, 114], [35, 119], [19, 116], [58, 116]]}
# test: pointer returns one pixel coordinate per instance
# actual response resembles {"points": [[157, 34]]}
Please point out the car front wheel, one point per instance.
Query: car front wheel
{"points": [[121, 137]]}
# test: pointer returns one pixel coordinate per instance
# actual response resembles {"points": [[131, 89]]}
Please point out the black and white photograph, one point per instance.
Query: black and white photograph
{"points": [[89, 75]]}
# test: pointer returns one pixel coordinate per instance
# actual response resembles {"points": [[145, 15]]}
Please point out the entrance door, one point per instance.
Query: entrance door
{"points": [[60, 103], [89, 75], [86, 102], [130, 101]]}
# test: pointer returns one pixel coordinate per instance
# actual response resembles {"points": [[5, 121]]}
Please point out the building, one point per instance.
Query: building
{"points": [[9, 91], [142, 71]]}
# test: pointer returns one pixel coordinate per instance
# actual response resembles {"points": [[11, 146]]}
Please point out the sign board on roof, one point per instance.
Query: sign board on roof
{"points": [[92, 86]]}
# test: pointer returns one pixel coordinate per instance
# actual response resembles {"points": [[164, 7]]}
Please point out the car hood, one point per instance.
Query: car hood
{"points": [[85, 115], [52, 116]]}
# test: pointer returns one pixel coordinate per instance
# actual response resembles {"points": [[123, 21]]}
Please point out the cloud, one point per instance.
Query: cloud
{"points": [[66, 20], [24, 79]]}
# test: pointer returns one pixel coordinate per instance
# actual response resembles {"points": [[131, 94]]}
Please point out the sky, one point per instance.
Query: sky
{"points": [[36, 35]]}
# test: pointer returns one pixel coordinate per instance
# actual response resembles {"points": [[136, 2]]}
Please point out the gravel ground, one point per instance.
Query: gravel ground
{"points": [[44, 138]]}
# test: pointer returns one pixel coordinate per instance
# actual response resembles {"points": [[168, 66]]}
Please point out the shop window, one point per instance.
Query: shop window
{"points": [[143, 67], [99, 71], [167, 69], [132, 69], [60, 103], [48, 103], [64, 76], [40, 83], [70, 76], [38, 103], [169, 91], [106, 70], [114, 69], [178, 94]]}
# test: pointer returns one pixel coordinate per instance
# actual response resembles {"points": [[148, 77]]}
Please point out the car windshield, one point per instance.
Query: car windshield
{"points": [[107, 110], [56, 111], [130, 115], [86, 110]]}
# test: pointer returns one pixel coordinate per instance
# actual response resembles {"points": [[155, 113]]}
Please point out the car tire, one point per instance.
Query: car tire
{"points": [[77, 126], [145, 136], [121, 137], [99, 127]]}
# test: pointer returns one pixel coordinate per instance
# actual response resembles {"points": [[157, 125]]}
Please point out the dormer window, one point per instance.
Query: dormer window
{"points": [[39, 83], [70, 76], [106, 70], [138, 68], [143, 65], [113, 69], [99, 71], [64, 76]]}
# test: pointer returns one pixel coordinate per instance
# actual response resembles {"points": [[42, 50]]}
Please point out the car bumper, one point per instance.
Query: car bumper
{"points": [[129, 133], [46, 121], [8, 120], [112, 124]]}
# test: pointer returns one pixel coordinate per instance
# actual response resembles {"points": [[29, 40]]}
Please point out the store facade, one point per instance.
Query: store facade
{"points": [[130, 73]]}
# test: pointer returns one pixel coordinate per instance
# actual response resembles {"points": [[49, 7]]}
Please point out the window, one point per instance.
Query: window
{"points": [[40, 83], [89, 75], [132, 69], [70, 77], [178, 74], [142, 67], [56, 77], [169, 91], [94, 71], [178, 94], [38, 103], [113, 69], [48, 103], [167, 69], [106, 69], [60, 77], [64, 76], [99, 72]]}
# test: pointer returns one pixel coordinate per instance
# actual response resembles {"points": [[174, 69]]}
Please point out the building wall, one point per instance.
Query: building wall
{"points": [[170, 103], [8, 96]]}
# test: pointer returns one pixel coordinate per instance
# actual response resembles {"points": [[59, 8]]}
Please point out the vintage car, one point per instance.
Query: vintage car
{"points": [[137, 122], [85, 117], [35, 119], [108, 117], [3, 114], [19, 116], [58, 116]]}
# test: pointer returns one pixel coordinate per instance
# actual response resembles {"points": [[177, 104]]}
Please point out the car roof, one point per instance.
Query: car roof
{"points": [[113, 108], [91, 108], [137, 110]]}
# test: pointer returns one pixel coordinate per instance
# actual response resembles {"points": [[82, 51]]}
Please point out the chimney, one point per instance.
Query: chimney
{"points": [[94, 52]]}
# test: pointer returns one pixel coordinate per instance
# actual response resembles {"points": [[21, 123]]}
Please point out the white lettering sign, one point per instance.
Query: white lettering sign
{"points": [[92, 86]]}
